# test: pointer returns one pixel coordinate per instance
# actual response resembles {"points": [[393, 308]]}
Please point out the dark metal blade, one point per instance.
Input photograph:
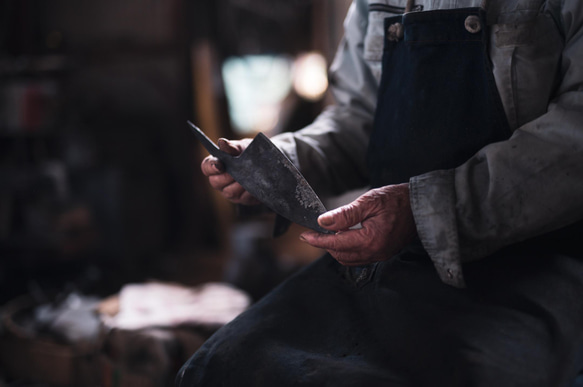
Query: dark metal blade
{"points": [[267, 174], [206, 142]]}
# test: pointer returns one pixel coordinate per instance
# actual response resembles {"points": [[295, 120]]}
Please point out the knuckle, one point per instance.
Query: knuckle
{"points": [[216, 182], [341, 258], [233, 191], [335, 245], [229, 193], [224, 180]]}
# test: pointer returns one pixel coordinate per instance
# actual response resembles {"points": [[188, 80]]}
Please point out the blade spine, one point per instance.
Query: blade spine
{"points": [[208, 144]]}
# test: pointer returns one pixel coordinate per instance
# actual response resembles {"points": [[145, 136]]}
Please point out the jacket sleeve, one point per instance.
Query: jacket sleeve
{"points": [[512, 190], [331, 151]]}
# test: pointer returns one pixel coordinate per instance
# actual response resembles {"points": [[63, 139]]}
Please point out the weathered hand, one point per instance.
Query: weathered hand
{"points": [[222, 181], [387, 226]]}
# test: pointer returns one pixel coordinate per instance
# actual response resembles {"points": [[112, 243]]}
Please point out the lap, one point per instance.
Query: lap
{"points": [[396, 324]]}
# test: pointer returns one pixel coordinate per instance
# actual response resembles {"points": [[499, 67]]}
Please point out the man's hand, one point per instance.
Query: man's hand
{"points": [[222, 181], [387, 226]]}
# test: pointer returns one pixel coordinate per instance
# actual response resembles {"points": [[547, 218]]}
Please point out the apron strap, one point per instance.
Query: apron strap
{"points": [[410, 3]]}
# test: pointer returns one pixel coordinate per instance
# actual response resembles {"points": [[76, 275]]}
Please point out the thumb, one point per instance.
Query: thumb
{"points": [[343, 217], [228, 147]]}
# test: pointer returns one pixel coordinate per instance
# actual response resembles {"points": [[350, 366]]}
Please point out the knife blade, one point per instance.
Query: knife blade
{"points": [[267, 174]]}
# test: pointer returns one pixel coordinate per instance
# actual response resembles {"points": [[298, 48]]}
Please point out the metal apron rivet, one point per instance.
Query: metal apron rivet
{"points": [[473, 24], [395, 32]]}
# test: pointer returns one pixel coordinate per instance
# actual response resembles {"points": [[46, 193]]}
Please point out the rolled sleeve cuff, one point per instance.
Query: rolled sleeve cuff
{"points": [[433, 203]]}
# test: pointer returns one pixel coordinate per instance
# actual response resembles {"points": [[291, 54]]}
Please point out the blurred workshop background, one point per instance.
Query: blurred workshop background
{"points": [[116, 259]]}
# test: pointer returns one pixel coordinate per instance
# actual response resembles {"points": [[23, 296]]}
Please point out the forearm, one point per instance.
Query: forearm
{"points": [[328, 155], [331, 152], [513, 190], [516, 189]]}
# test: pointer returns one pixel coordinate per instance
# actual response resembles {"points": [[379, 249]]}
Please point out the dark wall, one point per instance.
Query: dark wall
{"points": [[97, 166], [99, 92]]}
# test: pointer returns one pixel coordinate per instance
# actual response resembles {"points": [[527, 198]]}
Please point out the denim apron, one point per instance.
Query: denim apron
{"points": [[438, 103], [394, 323]]}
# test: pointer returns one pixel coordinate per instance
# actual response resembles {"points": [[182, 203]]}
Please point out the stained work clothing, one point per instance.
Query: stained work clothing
{"points": [[398, 322], [428, 70], [400, 325], [509, 191]]}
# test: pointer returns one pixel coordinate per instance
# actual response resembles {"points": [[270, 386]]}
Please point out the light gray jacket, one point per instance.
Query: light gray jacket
{"points": [[509, 191]]}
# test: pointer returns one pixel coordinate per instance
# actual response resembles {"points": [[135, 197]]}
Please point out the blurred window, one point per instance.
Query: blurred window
{"points": [[255, 86]]}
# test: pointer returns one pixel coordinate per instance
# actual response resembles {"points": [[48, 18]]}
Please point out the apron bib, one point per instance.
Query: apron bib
{"points": [[438, 103]]}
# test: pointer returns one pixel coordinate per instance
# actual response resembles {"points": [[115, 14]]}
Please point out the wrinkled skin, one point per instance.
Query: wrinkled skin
{"points": [[387, 226], [222, 181], [384, 214]]}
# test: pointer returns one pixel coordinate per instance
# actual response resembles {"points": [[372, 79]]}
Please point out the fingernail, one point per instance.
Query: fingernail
{"points": [[217, 166], [303, 238], [326, 219], [224, 143]]}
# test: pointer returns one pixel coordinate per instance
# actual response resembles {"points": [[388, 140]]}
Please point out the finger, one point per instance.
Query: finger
{"points": [[219, 182], [346, 216], [233, 191], [212, 166], [229, 147], [351, 240]]}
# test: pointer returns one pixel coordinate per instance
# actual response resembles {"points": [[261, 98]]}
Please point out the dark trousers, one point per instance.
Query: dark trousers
{"points": [[518, 323]]}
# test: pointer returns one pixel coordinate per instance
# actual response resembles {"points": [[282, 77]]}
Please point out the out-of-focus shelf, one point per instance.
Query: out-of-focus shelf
{"points": [[22, 134], [42, 65]]}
